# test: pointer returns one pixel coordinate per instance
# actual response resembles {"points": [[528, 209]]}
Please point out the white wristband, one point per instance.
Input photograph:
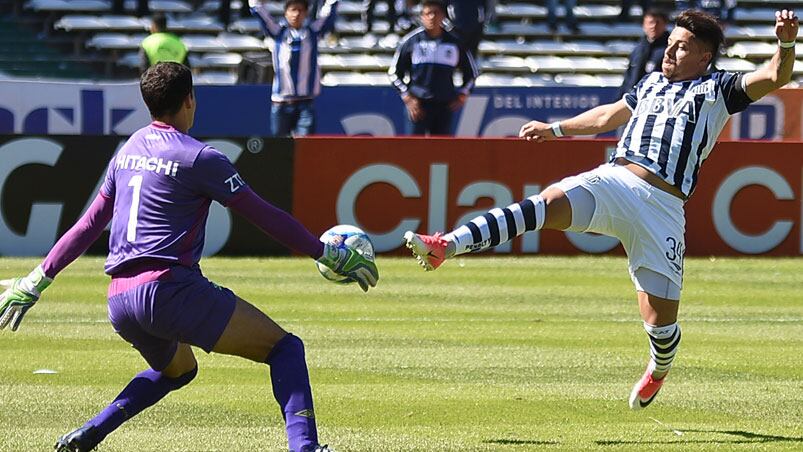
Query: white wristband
{"points": [[786, 45], [556, 130]]}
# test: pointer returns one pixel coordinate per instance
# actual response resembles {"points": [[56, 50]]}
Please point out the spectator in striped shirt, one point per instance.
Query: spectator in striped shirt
{"points": [[295, 61]]}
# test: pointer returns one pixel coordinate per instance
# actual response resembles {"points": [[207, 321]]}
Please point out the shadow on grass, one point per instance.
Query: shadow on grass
{"points": [[520, 442], [743, 438]]}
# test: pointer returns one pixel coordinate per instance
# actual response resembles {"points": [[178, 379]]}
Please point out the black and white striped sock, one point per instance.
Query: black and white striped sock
{"points": [[499, 225], [664, 342]]}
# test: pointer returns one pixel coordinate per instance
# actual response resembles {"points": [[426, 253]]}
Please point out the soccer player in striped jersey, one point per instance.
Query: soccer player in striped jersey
{"points": [[157, 193], [673, 118], [297, 78]]}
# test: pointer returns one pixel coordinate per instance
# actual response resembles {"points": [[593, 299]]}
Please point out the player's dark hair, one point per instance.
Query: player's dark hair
{"points": [[164, 86], [303, 3], [159, 22], [704, 27], [437, 3], [658, 14]]}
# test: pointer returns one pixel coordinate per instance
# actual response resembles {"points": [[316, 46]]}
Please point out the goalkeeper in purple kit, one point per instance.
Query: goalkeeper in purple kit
{"points": [[157, 193]]}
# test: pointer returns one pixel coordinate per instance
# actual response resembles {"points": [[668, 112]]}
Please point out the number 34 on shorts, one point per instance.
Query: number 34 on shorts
{"points": [[675, 249]]}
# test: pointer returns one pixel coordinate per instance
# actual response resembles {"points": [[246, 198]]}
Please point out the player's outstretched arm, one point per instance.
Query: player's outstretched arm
{"points": [[601, 119], [21, 293], [778, 72], [291, 233]]}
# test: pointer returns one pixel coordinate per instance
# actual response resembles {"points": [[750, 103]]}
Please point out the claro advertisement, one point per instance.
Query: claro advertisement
{"points": [[749, 200]]}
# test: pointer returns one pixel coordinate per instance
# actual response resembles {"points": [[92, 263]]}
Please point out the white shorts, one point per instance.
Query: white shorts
{"points": [[649, 222]]}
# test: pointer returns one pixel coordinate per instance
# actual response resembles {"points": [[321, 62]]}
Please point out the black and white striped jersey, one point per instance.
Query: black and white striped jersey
{"points": [[675, 124]]}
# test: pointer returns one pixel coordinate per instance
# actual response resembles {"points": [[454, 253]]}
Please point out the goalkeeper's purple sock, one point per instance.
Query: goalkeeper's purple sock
{"points": [[147, 388], [291, 388]]}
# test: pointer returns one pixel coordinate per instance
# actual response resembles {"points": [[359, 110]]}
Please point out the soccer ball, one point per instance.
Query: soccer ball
{"points": [[346, 235]]}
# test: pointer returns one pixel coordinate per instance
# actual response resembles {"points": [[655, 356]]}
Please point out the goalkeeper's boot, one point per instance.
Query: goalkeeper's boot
{"points": [[645, 391], [429, 250], [83, 439], [317, 448]]}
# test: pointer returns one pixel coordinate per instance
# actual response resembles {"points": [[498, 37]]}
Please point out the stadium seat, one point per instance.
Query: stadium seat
{"points": [[548, 64], [162, 6], [746, 32], [202, 43], [504, 64], [754, 15], [363, 62], [389, 42], [197, 24], [347, 8], [591, 65], [215, 78], [617, 30], [102, 23], [115, 41], [596, 12], [132, 60], [339, 78], [247, 26], [577, 79], [377, 78], [735, 65], [331, 63], [520, 11], [69, 6], [612, 80], [218, 60], [238, 43], [749, 49], [620, 47], [520, 29]]}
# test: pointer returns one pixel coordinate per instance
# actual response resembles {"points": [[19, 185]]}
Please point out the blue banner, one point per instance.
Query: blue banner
{"points": [[50, 108]]}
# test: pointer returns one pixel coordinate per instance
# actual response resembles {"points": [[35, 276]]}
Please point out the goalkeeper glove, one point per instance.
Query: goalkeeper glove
{"points": [[351, 264], [20, 295]]}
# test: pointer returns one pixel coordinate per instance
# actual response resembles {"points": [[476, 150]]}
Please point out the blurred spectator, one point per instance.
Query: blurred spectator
{"points": [[295, 61], [428, 58], [721, 9], [649, 52], [161, 45], [624, 16], [552, 15], [368, 14], [468, 18], [118, 7]]}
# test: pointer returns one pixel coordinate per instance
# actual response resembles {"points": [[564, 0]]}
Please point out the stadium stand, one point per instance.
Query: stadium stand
{"points": [[83, 40]]}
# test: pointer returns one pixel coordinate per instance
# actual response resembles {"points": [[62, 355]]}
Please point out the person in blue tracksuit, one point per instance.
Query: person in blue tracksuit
{"points": [[423, 70]]}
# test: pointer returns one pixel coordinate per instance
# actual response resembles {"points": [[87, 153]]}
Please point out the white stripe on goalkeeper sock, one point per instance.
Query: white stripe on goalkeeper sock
{"points": [[499, 225], [664, 342]]}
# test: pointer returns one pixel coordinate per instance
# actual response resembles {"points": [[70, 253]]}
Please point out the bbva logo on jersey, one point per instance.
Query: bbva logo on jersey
{"points": [[667, 106]]}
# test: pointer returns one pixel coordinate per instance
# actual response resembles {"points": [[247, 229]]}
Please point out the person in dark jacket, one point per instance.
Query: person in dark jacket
{"points": [[468, 18], [649, 52], [428, 57]]}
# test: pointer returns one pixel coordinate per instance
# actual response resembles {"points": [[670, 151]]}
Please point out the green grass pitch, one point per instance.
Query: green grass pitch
{"points": [[486, 354]]}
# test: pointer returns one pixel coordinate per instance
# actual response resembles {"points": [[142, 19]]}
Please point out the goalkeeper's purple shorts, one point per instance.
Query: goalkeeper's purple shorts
{"points": [[154, 310]]}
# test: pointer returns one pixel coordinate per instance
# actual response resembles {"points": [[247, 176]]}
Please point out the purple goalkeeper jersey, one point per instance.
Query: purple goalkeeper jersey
{"points": [[162, 182]]}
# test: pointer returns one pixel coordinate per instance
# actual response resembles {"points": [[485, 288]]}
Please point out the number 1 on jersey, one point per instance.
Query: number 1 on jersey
{"points": [[136, 182]]}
